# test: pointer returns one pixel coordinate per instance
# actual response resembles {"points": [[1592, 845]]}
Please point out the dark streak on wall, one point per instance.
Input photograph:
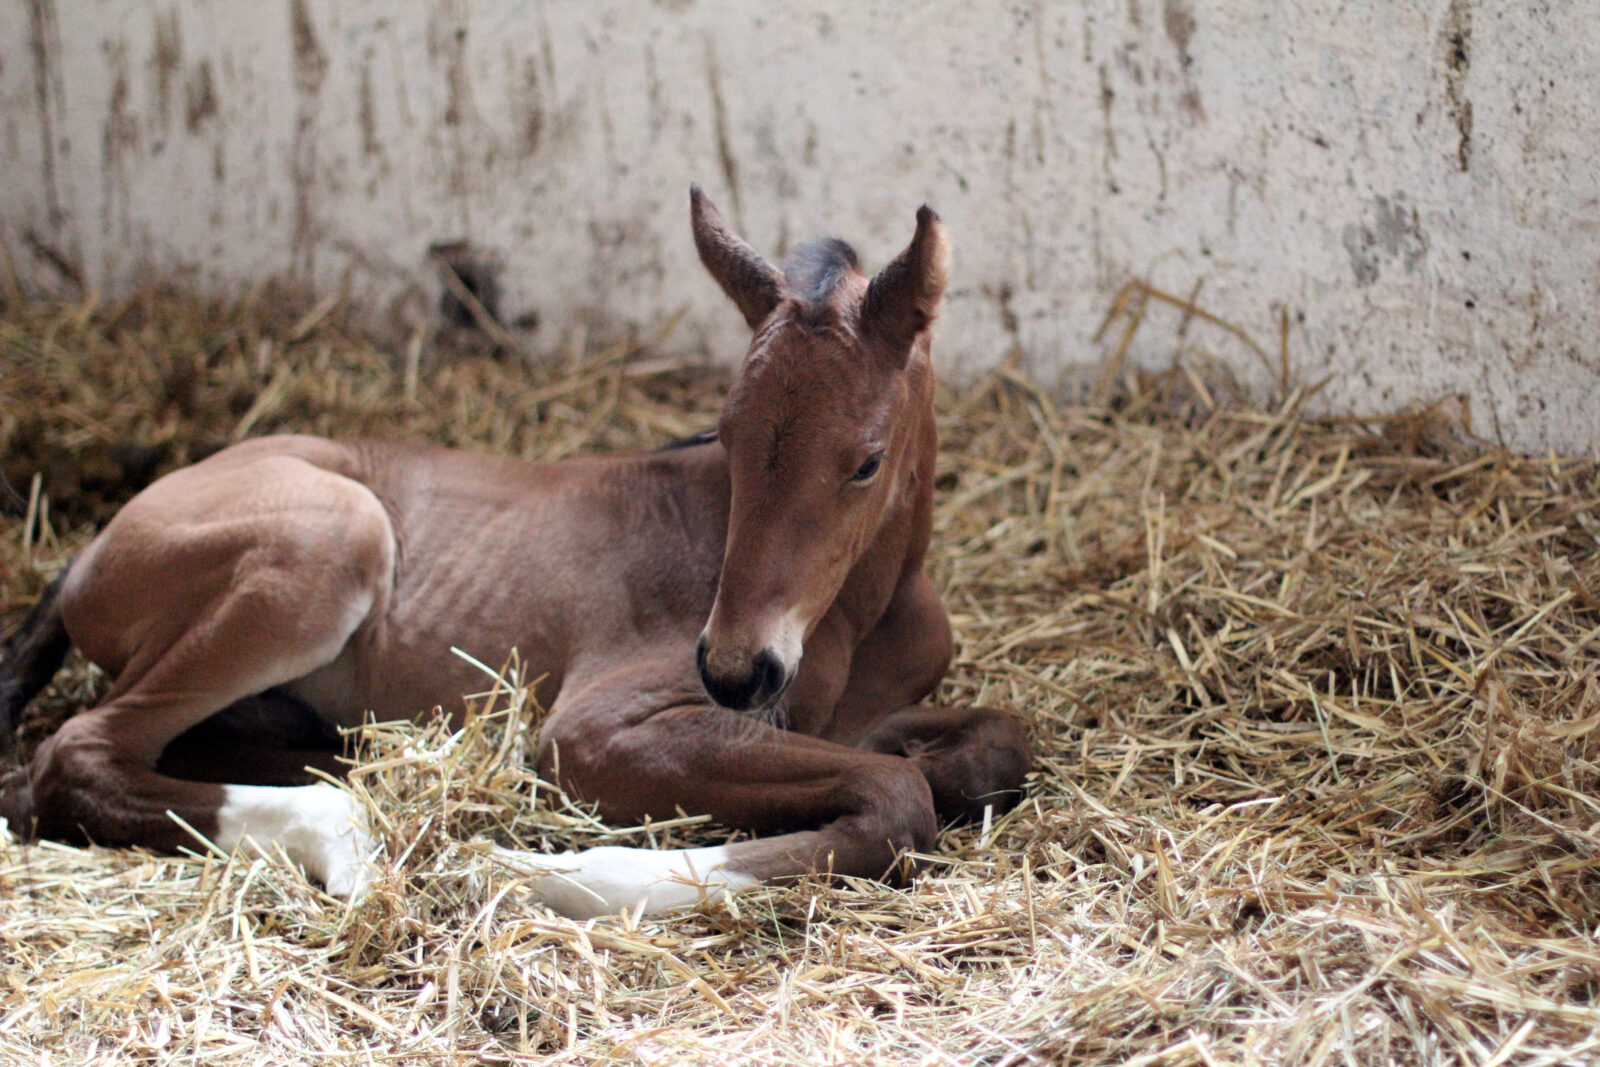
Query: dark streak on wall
{"points": [[44, 39], [530, 108], [310, 69], [1457, 41], [366, 114], [166, 61], [119, 139], [730, 166], [200, 98]]}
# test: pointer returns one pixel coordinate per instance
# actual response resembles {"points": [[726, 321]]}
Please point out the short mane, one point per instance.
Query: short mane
{"points": [[816, 267]]}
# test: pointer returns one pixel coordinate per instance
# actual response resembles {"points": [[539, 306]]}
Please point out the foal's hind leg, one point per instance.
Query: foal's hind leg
{"points": [[194, 615]]}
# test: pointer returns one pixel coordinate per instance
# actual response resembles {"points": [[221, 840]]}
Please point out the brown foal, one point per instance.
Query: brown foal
{"points": [[739, 627]]}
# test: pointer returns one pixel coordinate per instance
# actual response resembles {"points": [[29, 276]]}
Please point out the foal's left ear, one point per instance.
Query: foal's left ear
{"points": [[904, 298], [749, 280]]}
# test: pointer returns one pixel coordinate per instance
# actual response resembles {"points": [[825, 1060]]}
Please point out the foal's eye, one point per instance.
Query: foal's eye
{"points": [[865, 472]]}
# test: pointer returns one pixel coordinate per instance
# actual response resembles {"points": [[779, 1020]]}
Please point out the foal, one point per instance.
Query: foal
{"points": [[739, 627]]}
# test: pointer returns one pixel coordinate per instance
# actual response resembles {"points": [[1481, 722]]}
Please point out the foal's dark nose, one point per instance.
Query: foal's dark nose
{"points": [[764, 682]]}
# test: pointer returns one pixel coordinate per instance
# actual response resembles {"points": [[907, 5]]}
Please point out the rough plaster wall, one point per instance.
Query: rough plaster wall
{"points": [[1417, 184]]}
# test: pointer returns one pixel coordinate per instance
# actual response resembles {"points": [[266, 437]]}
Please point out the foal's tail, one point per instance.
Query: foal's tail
{"points": [[33, 656]]}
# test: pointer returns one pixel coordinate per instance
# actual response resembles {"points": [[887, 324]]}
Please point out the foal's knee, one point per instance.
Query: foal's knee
{"points": [[894, 816]]}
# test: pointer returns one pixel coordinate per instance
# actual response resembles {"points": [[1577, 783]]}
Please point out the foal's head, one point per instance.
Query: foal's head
{"points": [[829, 440]]}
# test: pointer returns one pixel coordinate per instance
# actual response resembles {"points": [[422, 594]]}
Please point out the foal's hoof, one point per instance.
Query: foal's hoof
{"points": [[986, 771], [350, 880], [967, 803], [346, 863], [16, 804], [320, 827]]}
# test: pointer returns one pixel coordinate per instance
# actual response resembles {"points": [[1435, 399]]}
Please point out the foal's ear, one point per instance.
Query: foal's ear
{"points": [[904, 298], [753, 284]]}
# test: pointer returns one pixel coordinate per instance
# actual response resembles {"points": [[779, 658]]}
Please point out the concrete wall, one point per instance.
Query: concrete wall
{"points": [[1416, 183]]}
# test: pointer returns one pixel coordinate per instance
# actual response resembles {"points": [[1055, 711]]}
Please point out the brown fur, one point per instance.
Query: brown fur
{"points": [[335, 576]]}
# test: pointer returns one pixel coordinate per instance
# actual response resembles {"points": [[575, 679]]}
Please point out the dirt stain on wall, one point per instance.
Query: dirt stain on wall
{"points": [[166, 61], [1456, 40], [310, 70], [1108, 97], [1392, 232], [719, 115], [44, 42], [530, 109], [119, 140], [310, 61], [199, 98], [458, 97], [367, 114], [1177, 18]]}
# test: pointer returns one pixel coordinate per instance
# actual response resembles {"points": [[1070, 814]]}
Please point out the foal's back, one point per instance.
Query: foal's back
{"points": [[447, 549]]}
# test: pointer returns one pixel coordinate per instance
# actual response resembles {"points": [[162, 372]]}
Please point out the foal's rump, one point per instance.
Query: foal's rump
{"points": [[265, 532]]}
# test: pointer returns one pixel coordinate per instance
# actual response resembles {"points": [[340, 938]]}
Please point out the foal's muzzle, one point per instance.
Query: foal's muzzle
{"points": [[756, 689]]}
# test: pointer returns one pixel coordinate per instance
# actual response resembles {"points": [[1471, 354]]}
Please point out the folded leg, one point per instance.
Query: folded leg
{"points": [[638, 748], [973, 758], [193, 609]]}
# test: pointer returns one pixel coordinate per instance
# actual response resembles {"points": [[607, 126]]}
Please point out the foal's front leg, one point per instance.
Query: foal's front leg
{"points": [[972, 758], [639, 750]]}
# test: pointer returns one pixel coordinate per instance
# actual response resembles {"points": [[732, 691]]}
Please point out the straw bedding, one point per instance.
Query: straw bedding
{"points": [[1317, 713]]}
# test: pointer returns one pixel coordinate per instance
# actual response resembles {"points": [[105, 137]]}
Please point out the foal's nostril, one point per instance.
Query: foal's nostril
{"points": [[757, 687], [768, 676], [700, 654]]}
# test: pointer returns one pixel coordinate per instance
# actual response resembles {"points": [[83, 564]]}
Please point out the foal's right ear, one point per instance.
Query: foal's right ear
{"points": [[903, 300], [748, 279]]}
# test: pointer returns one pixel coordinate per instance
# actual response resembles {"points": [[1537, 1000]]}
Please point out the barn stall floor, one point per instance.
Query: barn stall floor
{"points": [[1317, 710]]}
